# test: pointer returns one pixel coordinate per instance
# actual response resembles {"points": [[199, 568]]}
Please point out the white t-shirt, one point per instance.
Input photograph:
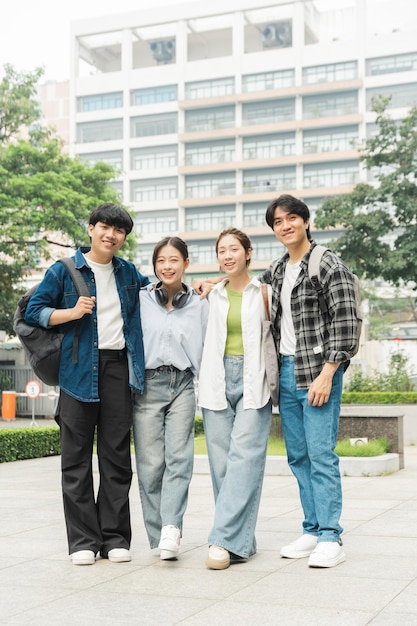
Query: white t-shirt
{"points": [[109, 312], [288, 341]]}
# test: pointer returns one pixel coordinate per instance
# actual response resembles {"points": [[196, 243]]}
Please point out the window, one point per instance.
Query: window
{"points": [[401, 95], [330, 140], [330, 73], [254, 214], [118, 186], [152, 158], [329, 104], [268, 80], [268, 112], [154, 189], [210, 88], [144, 254], [331, 175], [276, 179], [392, 64], [99, 102], [269, 146], [153, 95], [150, 125], [266, 249], [113, 158], [106, 130], [156, 222], [207, 186], [203, 253], [210, 219], [209, 152], [209, 119]]}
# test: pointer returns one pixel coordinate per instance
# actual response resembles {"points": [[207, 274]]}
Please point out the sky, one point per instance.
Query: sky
{"points": [[36, 33]]}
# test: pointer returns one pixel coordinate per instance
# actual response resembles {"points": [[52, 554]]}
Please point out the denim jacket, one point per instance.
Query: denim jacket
{"points": [[80, 380]]}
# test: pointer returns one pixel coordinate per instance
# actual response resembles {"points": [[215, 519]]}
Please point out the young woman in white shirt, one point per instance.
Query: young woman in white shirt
{"points": [[235, 401], [174, 320]]}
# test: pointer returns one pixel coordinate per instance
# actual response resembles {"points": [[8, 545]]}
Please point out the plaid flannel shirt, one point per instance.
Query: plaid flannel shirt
{"points": [[319, 338]]}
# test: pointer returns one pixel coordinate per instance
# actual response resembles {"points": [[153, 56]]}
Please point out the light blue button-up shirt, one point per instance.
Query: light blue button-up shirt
{"points": [[173, 337]]}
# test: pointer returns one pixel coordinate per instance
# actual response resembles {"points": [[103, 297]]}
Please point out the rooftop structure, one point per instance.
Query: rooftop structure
{"points": [[210, 110]]}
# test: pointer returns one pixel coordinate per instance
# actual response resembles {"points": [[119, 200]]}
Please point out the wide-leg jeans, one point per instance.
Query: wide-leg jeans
{"points": [[163, 429], [310, 435], [237, 440]]}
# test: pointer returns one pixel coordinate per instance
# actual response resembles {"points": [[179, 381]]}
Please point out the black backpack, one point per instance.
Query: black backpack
{"points": [[43, 345]]}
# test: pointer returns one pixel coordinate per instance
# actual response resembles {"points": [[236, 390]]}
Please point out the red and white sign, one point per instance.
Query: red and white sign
{"points": [[33, 389]]}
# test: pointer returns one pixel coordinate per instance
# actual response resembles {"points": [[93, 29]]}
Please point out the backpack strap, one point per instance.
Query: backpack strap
{"points": [[82, 290], [314, 275]]}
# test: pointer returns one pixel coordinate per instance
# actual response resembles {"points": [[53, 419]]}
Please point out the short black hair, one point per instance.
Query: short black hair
{"points": [[112, 215], [290, 204]]}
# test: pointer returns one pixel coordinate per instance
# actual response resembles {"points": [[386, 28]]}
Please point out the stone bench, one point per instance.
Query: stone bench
{"points": [[372, 421]]}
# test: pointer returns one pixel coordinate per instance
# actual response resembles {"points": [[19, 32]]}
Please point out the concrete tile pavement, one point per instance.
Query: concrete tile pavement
{"points": [[376, 585]]}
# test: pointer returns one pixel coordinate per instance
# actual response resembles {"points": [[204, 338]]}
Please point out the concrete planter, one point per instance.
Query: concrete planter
{"points": [[349, 465]]}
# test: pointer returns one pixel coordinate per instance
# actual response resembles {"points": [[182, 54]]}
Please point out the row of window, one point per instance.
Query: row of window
{"points": [[208, 218], [253, 113], [253, 181], [254, 147], [203, 252], [279, 79]]}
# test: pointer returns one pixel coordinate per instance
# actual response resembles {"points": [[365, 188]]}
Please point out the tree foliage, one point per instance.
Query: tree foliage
{"points": [[45, 195], [380, 220]]}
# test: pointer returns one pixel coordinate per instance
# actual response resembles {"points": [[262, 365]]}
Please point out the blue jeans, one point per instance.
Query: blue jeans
{"points": [[310, 435], [163, 429], [237, 440]]}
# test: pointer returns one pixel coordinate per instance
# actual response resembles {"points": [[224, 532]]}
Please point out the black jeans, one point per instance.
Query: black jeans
{"points": [[102, 523]]}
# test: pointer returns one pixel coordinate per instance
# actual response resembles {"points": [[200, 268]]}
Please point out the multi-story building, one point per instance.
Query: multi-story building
{"points": [[209, 112]]}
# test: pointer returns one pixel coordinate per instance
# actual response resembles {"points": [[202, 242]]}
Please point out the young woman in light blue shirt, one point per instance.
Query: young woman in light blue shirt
{"points": [[174, 320]]}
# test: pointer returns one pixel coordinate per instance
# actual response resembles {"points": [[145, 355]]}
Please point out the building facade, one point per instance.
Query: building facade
{"points": [[208, 112]]}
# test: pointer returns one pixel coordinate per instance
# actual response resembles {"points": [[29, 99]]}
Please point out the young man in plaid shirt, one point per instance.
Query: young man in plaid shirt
{"points": [[314, 350]]}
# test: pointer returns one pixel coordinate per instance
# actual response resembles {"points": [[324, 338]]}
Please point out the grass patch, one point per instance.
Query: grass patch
{"points": [[276, 447]]}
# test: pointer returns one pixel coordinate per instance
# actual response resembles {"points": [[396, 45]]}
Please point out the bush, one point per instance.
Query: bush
{"points": [[397, 378], [379, 397], [17, 444]]}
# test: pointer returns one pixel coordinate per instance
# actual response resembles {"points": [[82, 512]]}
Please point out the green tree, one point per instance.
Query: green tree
{"points": [[45, 195], [380, 221]]}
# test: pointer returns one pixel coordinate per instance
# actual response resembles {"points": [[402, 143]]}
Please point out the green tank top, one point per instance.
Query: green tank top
{"points": [[234, 341]]}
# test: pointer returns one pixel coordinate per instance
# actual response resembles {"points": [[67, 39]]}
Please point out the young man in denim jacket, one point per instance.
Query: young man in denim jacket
{"points": [[95, 391]]}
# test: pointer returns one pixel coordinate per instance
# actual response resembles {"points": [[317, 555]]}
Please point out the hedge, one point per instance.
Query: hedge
{"points": [[17, 444], [379, 397]]}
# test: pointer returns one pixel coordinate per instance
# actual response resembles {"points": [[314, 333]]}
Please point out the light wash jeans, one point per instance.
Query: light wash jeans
{"points": [[310, 435], [163, 429], [237, 440]]}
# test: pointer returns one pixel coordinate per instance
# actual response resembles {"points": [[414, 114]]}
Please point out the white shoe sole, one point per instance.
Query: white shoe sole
{"points": [[168, 555], [328, 563]]}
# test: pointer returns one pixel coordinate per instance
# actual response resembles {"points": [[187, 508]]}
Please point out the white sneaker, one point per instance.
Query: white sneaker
{"points": [[217, 558], [83, 557], [169, 543], [327, 554], [119, 555], [300, 548]]}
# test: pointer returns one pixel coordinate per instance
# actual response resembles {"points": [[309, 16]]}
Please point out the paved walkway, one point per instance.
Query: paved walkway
{"points": [[376, 585]]}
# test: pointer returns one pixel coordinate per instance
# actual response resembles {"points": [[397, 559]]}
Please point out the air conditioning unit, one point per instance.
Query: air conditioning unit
{"points": [[277, 35], [163, 51]]}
